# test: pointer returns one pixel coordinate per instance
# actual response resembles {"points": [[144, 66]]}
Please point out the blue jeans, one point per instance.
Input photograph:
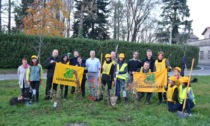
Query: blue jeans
{"points": [[189, 105], [119, 84]]}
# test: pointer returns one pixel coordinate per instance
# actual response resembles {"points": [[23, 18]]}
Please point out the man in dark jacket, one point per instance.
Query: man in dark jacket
{"points": [[81, 64], [149, 59], [50, 65], [133, 65], [73, 61]]}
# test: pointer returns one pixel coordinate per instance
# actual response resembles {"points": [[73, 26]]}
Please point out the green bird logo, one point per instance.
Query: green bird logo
{"points": [[68, 73]]}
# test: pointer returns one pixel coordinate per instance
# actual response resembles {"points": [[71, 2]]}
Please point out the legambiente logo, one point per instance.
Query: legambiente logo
{"points": [[150, 79], [68, 73]]}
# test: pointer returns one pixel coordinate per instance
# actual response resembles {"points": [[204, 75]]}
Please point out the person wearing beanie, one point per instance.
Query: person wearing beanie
{"points": [[121, 76], [185, 93], [34, 76], [107, 74], [171, 93], [160, 64]]}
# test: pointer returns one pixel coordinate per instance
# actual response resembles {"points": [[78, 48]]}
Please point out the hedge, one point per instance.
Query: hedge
{"points": [[15, 46]]}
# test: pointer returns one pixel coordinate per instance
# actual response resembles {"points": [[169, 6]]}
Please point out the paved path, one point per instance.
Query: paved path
{"points": [[204, 71]]}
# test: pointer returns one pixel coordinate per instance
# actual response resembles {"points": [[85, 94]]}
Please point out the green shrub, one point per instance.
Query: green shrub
{"points": [[15, 46]]}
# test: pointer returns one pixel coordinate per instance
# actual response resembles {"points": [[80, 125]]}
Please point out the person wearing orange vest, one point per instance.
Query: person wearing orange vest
{"points": [[160, 64], [107, 74], [171, 93], [185, 93], [121, 76]]}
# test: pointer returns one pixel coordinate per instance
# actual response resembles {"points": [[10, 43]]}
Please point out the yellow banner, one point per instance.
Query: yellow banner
{"points": [[64, 74], [150, 82]]}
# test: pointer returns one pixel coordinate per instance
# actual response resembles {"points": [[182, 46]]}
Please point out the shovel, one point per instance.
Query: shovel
{"points": [[113, 99], [181, 114]]}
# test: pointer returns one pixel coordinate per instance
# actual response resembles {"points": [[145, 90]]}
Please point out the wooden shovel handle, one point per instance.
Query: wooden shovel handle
{"points": [[184, 104]]}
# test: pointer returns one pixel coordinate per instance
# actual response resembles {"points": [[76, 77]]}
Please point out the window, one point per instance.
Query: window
{"points": [[201, 54], [209, 54]]}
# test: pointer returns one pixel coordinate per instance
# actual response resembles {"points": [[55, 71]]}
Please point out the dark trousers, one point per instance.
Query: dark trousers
{"points": [[22, 90], [182, 71], [161, 96], [83, 87], [35, 86], [142, 94], [109, 85], [188, 107], [170, 106], [65, 90], [120, 84], [49, 86]]}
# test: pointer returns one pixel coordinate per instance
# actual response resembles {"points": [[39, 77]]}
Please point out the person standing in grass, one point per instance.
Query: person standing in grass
{"points": [[145, 69], [171, 93], [93, 66], [121, 76], [107, 77], [50, 65], [160, 64], [21, 72], [34, 76], [81, 64], [64, 60]]}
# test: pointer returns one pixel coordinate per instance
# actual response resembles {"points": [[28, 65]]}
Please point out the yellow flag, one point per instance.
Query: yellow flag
{"points": [[150, 82], [64, 74]]}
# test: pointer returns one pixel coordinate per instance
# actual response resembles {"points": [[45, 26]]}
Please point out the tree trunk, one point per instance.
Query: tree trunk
{"points": [[80, 32], [0, 15], [115, 22], [9, 17]]}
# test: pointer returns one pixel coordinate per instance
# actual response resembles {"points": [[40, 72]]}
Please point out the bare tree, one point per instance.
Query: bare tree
{"points": [[0, 15], [9, 17], [137, 12]]}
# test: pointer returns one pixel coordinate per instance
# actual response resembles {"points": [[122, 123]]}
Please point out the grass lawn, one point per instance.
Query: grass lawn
{"points": [[98, 113]]}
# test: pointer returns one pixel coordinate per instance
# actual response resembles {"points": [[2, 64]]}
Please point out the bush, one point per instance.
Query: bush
{"points": [[15, 46]]}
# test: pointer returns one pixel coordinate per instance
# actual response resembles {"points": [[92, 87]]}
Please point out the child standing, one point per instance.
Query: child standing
{"points": [[34, 76], [171, 93]]}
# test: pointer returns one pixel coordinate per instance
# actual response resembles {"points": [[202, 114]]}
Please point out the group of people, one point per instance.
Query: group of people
{"points": [[114, 70]]}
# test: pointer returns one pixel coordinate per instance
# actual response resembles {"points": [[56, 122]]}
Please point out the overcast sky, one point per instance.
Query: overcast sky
{"points": [[199, 13]]}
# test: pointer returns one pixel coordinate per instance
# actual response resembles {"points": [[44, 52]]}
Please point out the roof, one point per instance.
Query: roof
{"points": [[207, 28], [192, 36]]}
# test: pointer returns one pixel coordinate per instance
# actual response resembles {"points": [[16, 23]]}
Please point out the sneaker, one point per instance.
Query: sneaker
{"points": [[190, 114], [147, 103]]}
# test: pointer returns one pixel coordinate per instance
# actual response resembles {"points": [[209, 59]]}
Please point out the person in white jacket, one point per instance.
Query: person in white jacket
{"points": [[22, 76]]}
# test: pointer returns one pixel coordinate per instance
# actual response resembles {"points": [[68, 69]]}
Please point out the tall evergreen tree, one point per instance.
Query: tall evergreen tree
{"points": [[21, 13], [93, 16], [174, 17]]}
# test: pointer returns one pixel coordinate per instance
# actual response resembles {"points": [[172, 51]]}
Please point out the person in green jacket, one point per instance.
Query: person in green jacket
{"points": [[34, 76]]}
